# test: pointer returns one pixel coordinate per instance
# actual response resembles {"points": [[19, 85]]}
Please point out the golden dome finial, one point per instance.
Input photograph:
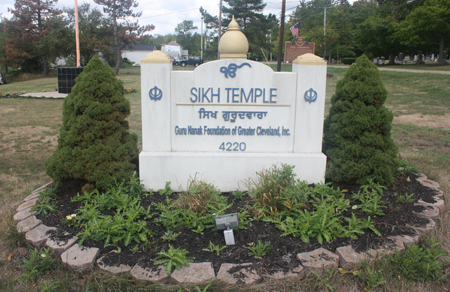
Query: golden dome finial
{"points": [[233, 44]]}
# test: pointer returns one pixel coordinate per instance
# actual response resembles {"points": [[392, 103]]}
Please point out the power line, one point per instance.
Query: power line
{"points": [[175, 12]]}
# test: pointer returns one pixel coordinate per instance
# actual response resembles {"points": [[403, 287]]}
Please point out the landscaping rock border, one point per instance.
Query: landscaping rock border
{"points": [[83, 259]]}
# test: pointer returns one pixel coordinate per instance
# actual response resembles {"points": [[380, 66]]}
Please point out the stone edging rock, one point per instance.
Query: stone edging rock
{"points": [[83, 259]]}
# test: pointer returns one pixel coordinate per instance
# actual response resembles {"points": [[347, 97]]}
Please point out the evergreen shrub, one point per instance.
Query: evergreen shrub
{"points": [[94, 143], [357, 132]]}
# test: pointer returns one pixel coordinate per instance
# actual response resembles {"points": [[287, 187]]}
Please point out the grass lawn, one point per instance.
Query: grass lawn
{"points": [[28, 135]]}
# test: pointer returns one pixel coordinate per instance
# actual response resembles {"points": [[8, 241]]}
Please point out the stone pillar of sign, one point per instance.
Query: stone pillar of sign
{"points": [[156, 68], [311, 72]]}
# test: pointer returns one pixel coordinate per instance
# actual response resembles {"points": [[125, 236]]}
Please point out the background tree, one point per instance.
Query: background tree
{"points": [[94, 29], [186, 38], [376, 37], [185, 28], [30, 33], [310, 16], [253, 23], [429, 23], [3, 60], [126, 32], [357, 132], [94, 143], [211, 39]]}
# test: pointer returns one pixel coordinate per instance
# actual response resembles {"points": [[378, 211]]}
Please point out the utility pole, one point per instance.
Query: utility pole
{"points": [[280, 42], [77, 35], [201, 40], [220, 28], [270, 39], [324, 30]]}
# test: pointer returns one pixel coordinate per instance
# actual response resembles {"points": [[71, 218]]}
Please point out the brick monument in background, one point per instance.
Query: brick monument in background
{"points": [[293, 50]]}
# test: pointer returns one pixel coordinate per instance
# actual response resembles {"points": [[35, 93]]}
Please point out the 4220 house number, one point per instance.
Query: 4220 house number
{"points": [[228, 146]]}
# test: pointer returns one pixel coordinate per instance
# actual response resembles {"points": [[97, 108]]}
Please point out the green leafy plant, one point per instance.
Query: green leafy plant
{"points": [[405, 166], [126, 225], [47, 286], [114, 229], [276, 191], [204, 289], [324, 281], [173, 258], [135, 249], [405, 198], [259, 249], [167, 191], [422, 263], [265, 189], [371, 277], [45, 203], [371, 202], [198, 221], [12, 237], [238, 195], [322, 221], [169, 217], [244, 218], [200, 196], [214, 248], [170, 236], [39, 262], [372, 186]]}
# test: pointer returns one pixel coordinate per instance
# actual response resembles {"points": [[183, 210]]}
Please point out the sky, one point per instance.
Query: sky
{"points": [[166, 14]]}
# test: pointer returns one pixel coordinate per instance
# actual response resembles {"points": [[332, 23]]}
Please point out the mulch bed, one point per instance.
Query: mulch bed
{"points": [[284, 250]]}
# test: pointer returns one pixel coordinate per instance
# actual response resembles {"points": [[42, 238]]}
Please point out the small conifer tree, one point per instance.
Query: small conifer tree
{"points": [[94, 143], [357, 132]]}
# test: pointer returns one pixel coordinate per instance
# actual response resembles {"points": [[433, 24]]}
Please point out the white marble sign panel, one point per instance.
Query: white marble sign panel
{"points": [[233, 106]]}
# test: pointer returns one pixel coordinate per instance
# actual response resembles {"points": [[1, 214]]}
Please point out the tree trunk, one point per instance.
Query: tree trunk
{"points": [[118, 59], [45, 63], [441, 50], [117, 47]]}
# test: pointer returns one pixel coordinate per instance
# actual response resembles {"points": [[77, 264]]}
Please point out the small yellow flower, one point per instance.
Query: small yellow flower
{"points": [[68, 217], [73, 215]]}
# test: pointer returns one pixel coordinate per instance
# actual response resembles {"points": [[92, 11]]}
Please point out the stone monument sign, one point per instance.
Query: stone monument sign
{"points": [[231, 118], [294, 50]]}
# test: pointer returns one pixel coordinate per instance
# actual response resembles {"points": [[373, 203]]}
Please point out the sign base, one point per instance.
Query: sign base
{"points": [[227, 171]]}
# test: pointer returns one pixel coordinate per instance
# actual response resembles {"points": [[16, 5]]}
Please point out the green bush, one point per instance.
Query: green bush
{"points": [[422, 263], [94, 143], [357, 132], [348, 61]]}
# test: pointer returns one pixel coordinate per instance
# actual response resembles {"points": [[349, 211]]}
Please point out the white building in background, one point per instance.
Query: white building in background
{"points": [[173, 50], [137, 53]]}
